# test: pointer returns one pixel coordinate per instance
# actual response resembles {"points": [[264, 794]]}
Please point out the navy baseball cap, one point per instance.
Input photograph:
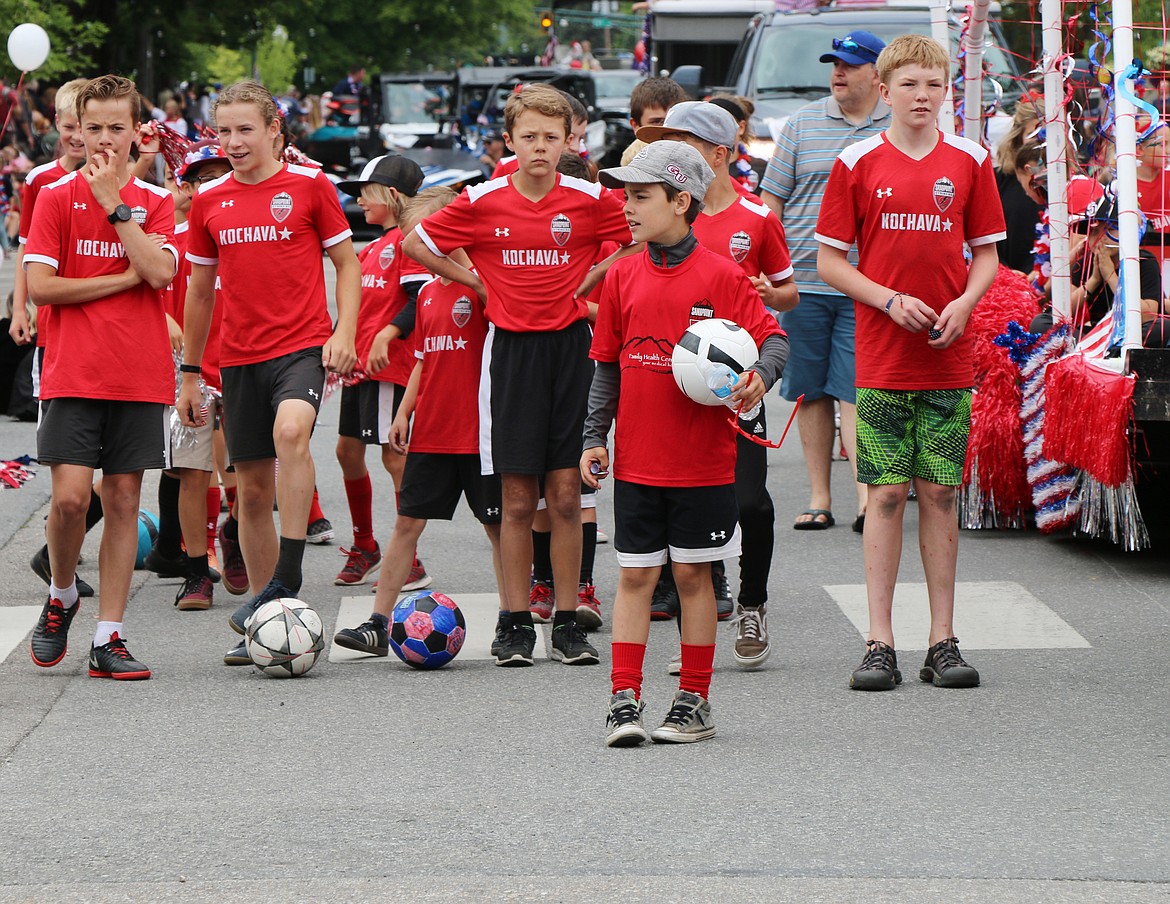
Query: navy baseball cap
{"points": [[856, 48]]}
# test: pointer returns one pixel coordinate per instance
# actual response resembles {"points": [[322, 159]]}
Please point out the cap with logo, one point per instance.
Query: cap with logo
{"points": [[699, 118], [669, 162], [198, 154], [391, 170], [856, 48]]}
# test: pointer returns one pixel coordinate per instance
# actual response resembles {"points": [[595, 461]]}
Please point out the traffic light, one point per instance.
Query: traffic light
{"points": [[546, 20]]}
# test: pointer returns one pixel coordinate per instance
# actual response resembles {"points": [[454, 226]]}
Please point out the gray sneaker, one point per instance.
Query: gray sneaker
{"points": [[624, 721], [689, 720], [751, 636]]}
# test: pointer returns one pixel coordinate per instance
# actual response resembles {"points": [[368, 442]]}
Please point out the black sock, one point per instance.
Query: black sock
{"points": [[542, 556], [588, 550], [563, 618], [231, 527], [94, 514], [197, 566], [522, 619], [288, 566], [170, 532]]}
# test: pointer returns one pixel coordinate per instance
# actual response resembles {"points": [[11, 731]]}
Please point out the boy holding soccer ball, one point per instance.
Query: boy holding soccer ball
{"points": [[674, 471]]}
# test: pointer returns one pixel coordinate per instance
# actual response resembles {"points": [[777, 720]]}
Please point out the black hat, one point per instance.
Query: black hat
{"points": [[392, 170]]}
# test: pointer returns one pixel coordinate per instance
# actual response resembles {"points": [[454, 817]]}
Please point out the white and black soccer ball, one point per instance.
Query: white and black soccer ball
{"points": [[708, 342], [284, 638]]}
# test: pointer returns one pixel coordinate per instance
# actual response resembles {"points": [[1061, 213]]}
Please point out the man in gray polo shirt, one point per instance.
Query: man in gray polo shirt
{"points": [[820, 328]]}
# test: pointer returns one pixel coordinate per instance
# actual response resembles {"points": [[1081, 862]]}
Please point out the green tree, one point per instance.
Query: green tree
{"points": [[74, 39]]}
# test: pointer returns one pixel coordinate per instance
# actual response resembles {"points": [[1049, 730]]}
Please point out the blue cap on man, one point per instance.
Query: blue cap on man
{"points": [[856, 49]]}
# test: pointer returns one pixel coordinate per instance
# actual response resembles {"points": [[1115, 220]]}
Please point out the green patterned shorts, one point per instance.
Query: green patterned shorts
{"points": [[912, 433]]}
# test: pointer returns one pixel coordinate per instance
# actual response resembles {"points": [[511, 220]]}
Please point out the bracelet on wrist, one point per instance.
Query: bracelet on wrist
{"points": [[896, 296], [190, 369]]}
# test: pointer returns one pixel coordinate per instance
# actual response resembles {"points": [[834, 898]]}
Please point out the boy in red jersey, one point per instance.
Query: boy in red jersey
{"points": [[912, 185], [532, 238], [668, 499], [260, 227], [390, 282], [443, 459], [72, 157], [100, 251]]}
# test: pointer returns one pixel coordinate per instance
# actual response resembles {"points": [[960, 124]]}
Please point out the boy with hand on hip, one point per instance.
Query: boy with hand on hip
{"points": [[668, 501], [912, 186]]}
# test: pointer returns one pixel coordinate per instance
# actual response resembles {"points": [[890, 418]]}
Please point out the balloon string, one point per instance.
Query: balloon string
{"points": [[12, 106]]}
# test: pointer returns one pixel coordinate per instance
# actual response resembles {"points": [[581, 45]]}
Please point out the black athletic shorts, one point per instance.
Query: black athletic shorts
{"points": [[368, 410], [252, 393], [118, 437], [433, 482], [692, 524], [533, 392]]}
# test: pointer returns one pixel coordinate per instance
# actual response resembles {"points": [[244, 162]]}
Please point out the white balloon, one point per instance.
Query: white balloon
{"points": [[28, 47]]}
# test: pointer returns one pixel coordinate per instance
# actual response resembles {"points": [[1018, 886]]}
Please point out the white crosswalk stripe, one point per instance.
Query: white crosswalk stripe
{"points": [[989, 615], [15, 624]]}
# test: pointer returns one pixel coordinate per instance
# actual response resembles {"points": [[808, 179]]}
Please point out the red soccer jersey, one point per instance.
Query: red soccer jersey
{"points": [[382, 300], [909, 219], [178, 290], [506, 167], [39, 177], [267, 240], [117, 347], [748, 233], [531, 255], [449, 330], [663, 438]]}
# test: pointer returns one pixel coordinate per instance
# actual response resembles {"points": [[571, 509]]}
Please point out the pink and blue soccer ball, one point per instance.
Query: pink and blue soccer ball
{"points": [[427, 630]]}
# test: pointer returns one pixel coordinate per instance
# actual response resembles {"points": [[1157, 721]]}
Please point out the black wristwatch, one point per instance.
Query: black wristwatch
{"points": [[121, 214]]}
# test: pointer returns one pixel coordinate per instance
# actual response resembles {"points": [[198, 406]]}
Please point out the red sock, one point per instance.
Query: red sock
{"points": [[698, 662], [360, 494], [212, 514], [626, 673], [231, 498], [315, 513]]}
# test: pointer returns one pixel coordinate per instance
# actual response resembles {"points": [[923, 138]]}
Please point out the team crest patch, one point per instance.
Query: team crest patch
{"points": [[281, 206], [739, 246], [702, 310], [386, 257], [461, 311], [944, 193], [561, 229], [138, 214]]}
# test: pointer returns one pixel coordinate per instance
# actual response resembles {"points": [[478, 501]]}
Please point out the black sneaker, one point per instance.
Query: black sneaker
{"points": [[40, 567], [273, 591], [571, 646], [502, 623], [50, 637], [724, 604], [320, 531], [368, 637], [516, 646], [165, 566], [237, 655], [664, 604], [878, 670], [113, 660], [945, 666]]}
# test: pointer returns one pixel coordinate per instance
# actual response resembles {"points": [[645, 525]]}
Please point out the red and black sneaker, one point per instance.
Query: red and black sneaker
{"points": [[360, 564], [113, 660], [235, 575], [50, 637]]}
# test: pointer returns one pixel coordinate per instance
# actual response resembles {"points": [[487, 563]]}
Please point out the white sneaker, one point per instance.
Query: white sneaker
{"points": [[689, 720]]}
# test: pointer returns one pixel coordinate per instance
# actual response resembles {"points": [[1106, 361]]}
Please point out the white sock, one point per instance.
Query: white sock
{"points": [[67, 596], [105, 629]]}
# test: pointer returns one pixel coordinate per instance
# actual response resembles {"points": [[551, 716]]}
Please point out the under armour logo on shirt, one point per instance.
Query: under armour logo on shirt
{"points": [[721, 535], [885, 192], [231, 203], [367, 433], [493, 511], [503, 230], [313, 393], [79, 205]]}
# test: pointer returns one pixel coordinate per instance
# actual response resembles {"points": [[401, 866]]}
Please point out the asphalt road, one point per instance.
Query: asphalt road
{"points": [[365, 781]]}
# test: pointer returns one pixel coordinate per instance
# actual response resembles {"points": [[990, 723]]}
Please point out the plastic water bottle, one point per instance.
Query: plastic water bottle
{"points": [[721, 380]]}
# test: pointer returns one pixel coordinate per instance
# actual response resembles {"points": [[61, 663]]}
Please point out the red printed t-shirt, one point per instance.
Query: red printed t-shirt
{"points": [[117, 347], [267, 240], [662, 438], [449, 331], [178, 290], [748, 233], [909, 219], [531, 255], [383, 299], [38, 177]]}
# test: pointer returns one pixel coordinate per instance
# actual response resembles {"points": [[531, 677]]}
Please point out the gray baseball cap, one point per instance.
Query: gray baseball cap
{"points": [[672, 163], [699, 118]]}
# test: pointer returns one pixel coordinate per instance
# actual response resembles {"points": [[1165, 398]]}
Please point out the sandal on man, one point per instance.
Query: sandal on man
{"points": [[815, 522]]}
